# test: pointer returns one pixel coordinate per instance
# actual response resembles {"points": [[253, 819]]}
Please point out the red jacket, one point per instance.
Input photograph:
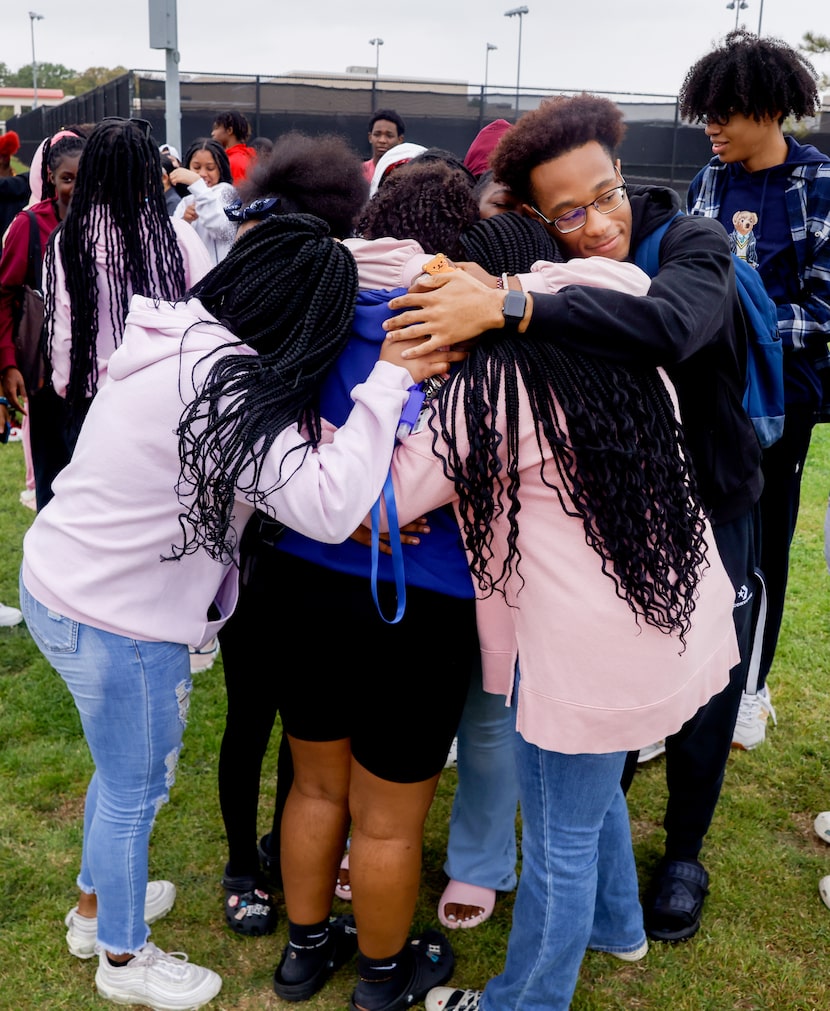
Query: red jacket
{"points": [[14, 269], [241, 158]]}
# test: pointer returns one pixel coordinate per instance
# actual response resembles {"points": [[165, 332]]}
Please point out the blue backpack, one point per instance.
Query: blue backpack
{"points": [[764, 391]]}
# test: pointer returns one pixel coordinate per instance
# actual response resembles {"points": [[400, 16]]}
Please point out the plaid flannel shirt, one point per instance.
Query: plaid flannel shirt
{"points": [[805, 323]]}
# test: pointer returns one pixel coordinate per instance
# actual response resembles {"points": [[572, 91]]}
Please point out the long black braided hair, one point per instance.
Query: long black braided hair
{"points": [[617, 457], [288, 291], [118, 204], [508, 242]]}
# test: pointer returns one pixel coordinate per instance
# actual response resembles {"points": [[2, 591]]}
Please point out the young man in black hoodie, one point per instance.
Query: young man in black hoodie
{"points": [[561, 161], [772, 195]]}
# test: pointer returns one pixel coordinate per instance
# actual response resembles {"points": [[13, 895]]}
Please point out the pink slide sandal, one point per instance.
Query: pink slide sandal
{"points": [[461, 894]]}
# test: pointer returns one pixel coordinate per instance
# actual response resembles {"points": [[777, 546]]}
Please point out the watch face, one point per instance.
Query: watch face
{"points": [[514, 306]]}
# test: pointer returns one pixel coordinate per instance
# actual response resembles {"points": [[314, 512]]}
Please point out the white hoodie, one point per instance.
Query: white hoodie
{"points": [[94, 553]]}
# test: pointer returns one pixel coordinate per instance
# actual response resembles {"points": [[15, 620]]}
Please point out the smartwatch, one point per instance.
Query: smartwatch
{"points": [[515, 303]]}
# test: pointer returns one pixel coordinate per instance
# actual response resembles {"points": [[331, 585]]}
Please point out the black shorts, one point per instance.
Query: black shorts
{"points": [[396, 691]]}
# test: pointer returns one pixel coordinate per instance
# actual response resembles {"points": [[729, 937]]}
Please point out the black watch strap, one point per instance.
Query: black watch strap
{"points": [[515, 304]]}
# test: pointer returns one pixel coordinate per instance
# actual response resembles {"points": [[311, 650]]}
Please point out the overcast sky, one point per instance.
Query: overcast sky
{"points": [[642, 46]]}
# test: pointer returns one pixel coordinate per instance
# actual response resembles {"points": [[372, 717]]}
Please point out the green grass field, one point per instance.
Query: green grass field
{"points": [[765, 939]]}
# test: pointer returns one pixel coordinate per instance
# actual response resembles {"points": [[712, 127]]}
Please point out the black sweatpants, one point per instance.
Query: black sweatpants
{"points": [[697, 754]]}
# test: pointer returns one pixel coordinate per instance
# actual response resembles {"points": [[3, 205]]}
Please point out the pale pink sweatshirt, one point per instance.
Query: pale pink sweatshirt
{"points": [[592, 681], [196, 264], [94, 553]]}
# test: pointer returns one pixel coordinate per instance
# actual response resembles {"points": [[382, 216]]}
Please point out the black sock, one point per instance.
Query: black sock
{"points": [[307, 950], [382, 979], [119, 965]]}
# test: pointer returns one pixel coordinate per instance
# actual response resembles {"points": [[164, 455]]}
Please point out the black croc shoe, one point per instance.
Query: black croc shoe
{"points": [[249, 909], [432, 964], [340, 946]]}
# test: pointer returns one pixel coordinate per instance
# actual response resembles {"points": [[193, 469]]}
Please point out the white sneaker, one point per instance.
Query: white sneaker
{"points": [[201, 659], [651, 751], [824, 891], [10, 616], [751, 725], [822, 826], [632, 956], [83, 930], [447, 998], [164, 981]]}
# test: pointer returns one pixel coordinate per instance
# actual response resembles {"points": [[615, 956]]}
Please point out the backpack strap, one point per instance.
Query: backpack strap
{"points": [[35, 258], [647, 254]]}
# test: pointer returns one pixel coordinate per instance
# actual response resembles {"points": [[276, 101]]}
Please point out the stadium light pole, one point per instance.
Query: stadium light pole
{"points": [[377, 43], [32, 18], [737, 6], [760, 17], [518, 12], [488, 50]]}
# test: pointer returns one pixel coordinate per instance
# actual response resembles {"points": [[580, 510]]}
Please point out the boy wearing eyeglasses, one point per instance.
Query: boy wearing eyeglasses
{"points": [[561, 161], [742, 92]]}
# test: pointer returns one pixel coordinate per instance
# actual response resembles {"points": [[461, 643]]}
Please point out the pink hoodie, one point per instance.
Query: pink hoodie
{"points": [[94, 553], [592, 680]]}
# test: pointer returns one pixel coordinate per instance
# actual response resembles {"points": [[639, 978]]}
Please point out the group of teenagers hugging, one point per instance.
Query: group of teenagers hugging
{"points": [[568, 552]]}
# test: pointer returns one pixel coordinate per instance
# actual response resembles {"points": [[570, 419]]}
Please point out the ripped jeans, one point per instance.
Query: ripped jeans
{"points": [[132, 697]]}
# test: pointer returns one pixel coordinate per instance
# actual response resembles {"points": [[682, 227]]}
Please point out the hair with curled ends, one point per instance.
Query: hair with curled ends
{"points": [[118, 204], [312, 175], [287, 290], [559, 125], [751, 76], [508, 243], [428, 201], [615, 446], [235, 122], [217, 152]]}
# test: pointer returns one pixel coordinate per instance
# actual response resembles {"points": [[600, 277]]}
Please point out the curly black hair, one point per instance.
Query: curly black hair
{"points": [[613, 455], [312, 175], [287, 290], [427, 201], [217, 152], [118, 203], [235, 122], [755, 77], [559, 125]]}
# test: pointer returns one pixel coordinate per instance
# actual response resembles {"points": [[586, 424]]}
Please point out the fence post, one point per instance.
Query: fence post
{"points": [[257, 130]]}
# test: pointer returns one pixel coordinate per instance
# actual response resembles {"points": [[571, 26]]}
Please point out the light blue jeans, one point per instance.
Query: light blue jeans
{"points": [[482, 840], [132, 697], [578, 887]]}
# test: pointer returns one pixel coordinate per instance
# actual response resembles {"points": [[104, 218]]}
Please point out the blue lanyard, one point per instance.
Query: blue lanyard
{"points": [[388, 496]]}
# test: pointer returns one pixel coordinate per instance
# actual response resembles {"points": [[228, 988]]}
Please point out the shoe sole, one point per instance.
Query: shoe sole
{"points": [[143, 1000], [673, 936]]}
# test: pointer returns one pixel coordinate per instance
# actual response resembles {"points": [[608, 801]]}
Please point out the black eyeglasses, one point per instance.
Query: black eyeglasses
{"points": [[143, 125], [265, 207], [716, 120], [574, 219]]}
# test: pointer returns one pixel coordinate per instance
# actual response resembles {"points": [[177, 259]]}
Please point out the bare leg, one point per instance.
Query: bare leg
{"points": [[385, 857], [314, 827]]}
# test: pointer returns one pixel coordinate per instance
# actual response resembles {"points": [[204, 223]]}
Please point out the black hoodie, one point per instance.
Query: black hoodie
{"points": [[686, 324]]}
